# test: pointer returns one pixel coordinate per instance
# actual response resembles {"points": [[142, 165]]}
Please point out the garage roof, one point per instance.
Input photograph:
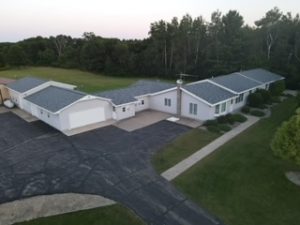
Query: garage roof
{"points": [[142, 87], [26, 84], [209, 92], [236, 82], [261, 75], [54, 99]]}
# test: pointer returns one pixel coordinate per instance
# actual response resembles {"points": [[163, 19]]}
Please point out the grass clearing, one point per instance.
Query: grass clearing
{"points": [[85, 81], [181, 148], [110, 215], [243, 183]]}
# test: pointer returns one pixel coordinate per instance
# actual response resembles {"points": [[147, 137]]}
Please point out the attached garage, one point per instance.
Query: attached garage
{"points": [[88, 110], [66, 109]]}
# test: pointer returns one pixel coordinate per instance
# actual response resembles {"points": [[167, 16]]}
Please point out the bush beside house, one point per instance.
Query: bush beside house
{"points": [[286, 142]]}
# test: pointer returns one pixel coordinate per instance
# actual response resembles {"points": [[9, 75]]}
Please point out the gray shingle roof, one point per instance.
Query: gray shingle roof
{"points": [[236, 82], [209, 92], [55, 98], [261, 75], [26, 84], [142, 87]]}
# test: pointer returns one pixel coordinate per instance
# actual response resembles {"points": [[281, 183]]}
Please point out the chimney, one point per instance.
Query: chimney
{"points": [[179, 84]]}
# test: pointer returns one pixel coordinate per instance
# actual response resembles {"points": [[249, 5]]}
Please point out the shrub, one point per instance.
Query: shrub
{"points": [[255, 99], [210, 122], [224, 127], [286, 142], [277, 88], [257, 113], [222, 119], [298, 98], [213, 128], [266, 95], [239, 118], [246, 109], [226, 119], [276, 99]]}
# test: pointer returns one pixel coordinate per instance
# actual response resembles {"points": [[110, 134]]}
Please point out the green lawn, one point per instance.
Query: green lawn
{"points": [[85, 81], [111, 215], [243, 183], [181, 148]]}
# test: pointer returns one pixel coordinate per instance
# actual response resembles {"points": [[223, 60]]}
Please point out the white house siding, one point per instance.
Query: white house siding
{"points": [[157, 102], [119, 114], [229, 108], [204, 111], [15, 97], [42, 114], [27, 106], [48, 117], [81, 106], [139, 106]]}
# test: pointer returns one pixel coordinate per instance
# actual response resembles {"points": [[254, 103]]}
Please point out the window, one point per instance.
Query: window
{"points": [[223, 107], [41, 111], [143, 102], [240, 98], [48, 115], [167, 102], [114, 109], [124, 109], [231, 101], [217, 109], [193, 109]]}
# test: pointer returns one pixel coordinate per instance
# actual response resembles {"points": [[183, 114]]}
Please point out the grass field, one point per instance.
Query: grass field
{"points": [[243, 183], [111, 215], [85, 81], [181, 148]]}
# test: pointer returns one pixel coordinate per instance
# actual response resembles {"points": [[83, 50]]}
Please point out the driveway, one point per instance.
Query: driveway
{"points": [[37, 160]]}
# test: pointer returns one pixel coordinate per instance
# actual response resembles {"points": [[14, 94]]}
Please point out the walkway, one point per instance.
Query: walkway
{"points": [[187, 163]]}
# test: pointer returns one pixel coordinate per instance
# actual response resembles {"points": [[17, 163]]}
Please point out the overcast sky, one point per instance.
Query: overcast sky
{"points": [[21, 19]]}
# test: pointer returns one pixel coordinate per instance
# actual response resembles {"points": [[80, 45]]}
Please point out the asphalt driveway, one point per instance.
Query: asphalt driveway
{"points": [[37, 160]]}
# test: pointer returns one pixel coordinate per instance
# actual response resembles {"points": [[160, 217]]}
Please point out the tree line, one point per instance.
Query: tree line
{"points": [[187, 45]]}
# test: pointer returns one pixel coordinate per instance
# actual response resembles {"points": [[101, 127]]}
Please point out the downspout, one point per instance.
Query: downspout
{"points": [[179, 94]]}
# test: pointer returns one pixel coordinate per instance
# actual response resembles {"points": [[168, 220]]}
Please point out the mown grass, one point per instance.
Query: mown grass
{"points": [[85, 81], [243, 183], [111, 215], [181, 148]]}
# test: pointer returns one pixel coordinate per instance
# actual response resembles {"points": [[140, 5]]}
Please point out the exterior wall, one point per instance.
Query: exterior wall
{"points": [[42, 114], [157, 102], [15, 97], [118, 113], [4, 92], [204, 111], [81, 106], [139, 106], [229, 108]]}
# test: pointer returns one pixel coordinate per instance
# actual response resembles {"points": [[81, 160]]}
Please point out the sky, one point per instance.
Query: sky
{"points": [[124, 19]]}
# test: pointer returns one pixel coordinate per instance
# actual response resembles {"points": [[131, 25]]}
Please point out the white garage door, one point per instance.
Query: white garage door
{"points": [[86, 117]]}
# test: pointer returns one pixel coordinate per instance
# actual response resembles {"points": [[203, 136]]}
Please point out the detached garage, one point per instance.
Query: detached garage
{"points": [[66, 109]]}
